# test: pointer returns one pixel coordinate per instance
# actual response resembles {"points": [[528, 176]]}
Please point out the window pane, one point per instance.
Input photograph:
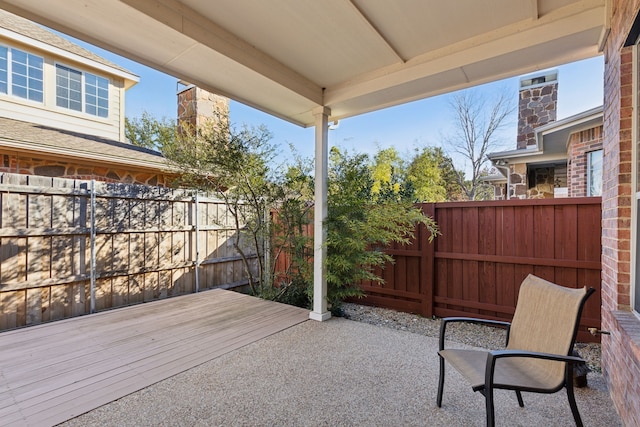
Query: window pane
{"points": [[35, 95], [96, 95], [19, 81], [595, 173], [36, 85], [19, 91], [68, 88], [26, 74], [20, 69], [4, 76], [36, 74], [19, 56], [35, 61]]}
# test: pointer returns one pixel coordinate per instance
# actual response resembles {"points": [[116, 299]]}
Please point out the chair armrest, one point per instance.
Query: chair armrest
{"points": [[493, 356], [445, 321]]}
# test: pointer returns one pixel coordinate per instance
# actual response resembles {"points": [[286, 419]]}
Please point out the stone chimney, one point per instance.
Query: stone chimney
{"points": [[197, 107], [537, 105]]}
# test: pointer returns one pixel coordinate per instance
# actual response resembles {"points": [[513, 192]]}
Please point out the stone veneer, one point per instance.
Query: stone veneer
{"points": [[537, 106], [197, 107], [621, 349], [518, 181], [580, 145], [13, 163]]}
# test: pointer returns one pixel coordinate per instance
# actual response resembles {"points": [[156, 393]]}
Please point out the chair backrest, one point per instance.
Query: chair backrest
{"points": [[546, 320]]}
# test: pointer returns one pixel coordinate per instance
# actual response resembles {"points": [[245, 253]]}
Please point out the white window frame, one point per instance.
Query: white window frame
{"points": [[83, 92], [590, 170], [10, 79]]}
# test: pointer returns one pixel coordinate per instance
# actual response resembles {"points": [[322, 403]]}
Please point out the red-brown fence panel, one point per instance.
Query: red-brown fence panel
{"points": [[485, 250]]}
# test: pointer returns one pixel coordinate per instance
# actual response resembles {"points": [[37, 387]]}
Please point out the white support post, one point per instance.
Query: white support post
{"points": [[320, 311]]}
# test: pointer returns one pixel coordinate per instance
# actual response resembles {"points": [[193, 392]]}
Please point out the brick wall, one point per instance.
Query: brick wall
{"points": [[14, 163], [620, 350], [580, 144]]}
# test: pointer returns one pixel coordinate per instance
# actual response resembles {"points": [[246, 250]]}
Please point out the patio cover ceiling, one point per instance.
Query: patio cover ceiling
{"points": [[289, 57]]}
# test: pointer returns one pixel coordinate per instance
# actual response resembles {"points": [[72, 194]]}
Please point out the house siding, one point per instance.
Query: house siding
{"points": [[621, 349], [48, 114]]}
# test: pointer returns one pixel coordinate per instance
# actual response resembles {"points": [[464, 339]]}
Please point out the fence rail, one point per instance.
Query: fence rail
{"points": [[71, 247], [485, 251]]}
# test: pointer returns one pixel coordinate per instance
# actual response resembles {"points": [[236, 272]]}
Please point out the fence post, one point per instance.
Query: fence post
{"points": [[92, 295], [427, 279], [197, 240]]}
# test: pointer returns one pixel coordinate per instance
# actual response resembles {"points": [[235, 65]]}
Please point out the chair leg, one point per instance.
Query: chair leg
{"points": [[440, 383], [572, 403], [488, 397], [519, 396]]}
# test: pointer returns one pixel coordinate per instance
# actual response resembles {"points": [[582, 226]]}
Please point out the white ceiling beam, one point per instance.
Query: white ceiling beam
{"points": [[188, 22], [534, 10], [456, 56], [375, 30]]}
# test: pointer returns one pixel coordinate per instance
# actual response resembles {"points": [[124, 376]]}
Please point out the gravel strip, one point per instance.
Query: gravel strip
{"points": [[464, 333]]}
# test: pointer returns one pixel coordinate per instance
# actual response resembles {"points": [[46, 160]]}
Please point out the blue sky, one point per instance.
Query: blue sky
{"points": [[404, 127]]}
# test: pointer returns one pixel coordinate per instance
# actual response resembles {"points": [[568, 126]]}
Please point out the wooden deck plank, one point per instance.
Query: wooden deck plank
{"points": [[56, 371], [135, 352], [139, 355]]}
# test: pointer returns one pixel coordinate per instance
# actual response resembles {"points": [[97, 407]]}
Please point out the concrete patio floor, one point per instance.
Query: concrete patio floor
{"points": [[336, 373]]}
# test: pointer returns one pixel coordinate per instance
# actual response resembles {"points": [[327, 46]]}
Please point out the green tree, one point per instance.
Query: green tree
{"points": [[360, 224], [149, 132], [387, 169], [425, 173], [432, 173], [235, 166]]}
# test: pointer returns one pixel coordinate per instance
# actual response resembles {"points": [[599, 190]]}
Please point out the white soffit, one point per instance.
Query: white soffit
{"points": [[287, 57]]}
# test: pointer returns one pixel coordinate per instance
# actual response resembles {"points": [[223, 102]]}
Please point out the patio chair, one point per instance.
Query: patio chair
{"points": [[538, 350]]}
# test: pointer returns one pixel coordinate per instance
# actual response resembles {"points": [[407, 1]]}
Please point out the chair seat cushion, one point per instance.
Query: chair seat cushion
{"points": [[510, 373]]}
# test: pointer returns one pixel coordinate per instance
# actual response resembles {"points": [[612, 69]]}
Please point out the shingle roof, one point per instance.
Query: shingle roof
{"points": [[15, 134], [36, 32]]}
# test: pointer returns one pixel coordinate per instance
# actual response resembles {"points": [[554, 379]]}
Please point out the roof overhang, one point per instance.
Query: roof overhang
{"points": [[552, 140], [128, 78], [288, 57], [29, 139]]}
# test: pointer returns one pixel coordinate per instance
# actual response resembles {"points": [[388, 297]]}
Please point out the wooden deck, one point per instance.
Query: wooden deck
{"points": [[56, 371]]}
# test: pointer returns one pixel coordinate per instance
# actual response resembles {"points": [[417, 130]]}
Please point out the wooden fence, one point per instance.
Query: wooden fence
{"points": [[71, 247], [485, 251]]}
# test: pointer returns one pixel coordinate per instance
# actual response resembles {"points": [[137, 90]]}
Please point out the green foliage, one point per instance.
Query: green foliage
{"points": [[291, 239], [237, 165], [148, 132], [386, 168], [433, 176], [361, 224], [234, 165]]}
